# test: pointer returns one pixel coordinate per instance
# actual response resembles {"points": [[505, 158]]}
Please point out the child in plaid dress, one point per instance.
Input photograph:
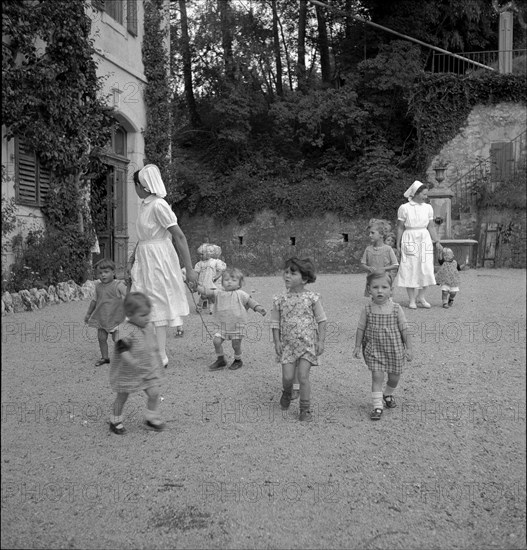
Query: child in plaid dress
{"points": [[136, 365], [230, 310], [382, 332], [298, 322]]}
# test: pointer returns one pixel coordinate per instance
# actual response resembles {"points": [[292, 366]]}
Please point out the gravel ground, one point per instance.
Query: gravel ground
{"points": [[445, 469]]}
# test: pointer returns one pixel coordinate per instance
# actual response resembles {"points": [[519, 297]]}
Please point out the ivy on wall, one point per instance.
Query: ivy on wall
{"points": [[440, 104], [157, 92]]}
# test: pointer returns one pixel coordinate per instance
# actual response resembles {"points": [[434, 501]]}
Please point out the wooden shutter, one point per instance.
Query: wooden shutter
{"points": [[131, 16], [502, 160], [27, 174]]}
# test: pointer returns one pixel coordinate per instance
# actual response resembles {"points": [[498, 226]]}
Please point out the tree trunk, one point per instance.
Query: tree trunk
{"points": [[226, 40], [187, 66], [301, 62], [277, 56], [323, 45]]}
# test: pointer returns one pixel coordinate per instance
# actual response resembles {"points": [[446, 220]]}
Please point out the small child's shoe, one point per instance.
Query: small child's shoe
{"points": [[218, 364], [376, 414], [295, 394], [102, 361], [450, 302], [285, 400], [158, 426], [117, 428], [236, 364], [389, 401], [179, 333], [305, 416], [446, 305]]}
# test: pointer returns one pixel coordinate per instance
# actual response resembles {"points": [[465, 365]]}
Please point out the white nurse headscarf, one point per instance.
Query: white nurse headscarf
{"points": [[409, 193], [150, 177]]}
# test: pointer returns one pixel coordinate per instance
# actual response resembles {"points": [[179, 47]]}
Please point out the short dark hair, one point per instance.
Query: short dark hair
{"points": [[304, 266], [105, 263]]}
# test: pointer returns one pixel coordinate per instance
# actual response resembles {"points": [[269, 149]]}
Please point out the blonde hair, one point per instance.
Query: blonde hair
{"points": [[382, 226], [234, 273]]}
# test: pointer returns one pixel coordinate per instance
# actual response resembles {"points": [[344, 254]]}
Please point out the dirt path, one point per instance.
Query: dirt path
{"points": [[446, 469]]}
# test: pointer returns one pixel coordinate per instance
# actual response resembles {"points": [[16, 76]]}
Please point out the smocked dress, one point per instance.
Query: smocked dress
{"points": [[382, 343], [448, 275], [416, 268], [230, 312], [297, 315], [209, 271], [109, 311], [156, 271], [142, 345]]}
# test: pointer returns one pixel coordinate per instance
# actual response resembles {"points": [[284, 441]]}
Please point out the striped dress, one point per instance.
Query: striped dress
{"points": [[382, 343], [143, 347]]}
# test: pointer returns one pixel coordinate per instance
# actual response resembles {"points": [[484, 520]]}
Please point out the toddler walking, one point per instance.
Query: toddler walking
{"points": [[106, 312], [137, 363], [298, 322], [209, 270], [448, 276], [230, 310], [382, 332], [378, 256]]}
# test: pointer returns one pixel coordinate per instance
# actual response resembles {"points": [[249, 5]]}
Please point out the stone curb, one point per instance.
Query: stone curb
{"points": [[31, 300]]}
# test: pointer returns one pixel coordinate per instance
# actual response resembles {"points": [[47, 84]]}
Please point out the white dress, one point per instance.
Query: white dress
{"points": [[156, 271], [416, 268]]}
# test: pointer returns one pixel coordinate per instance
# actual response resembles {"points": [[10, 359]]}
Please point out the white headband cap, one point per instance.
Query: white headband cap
{"points": [[150, 177], [410, 192]]}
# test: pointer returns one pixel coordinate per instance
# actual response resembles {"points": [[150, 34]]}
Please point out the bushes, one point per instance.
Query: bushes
{"points": [[48, 257]]}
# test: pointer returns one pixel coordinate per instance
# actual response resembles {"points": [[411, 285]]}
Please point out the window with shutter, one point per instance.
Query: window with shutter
{"points": [[32, 178], [502, 160], [114, 8], [131, 16]]}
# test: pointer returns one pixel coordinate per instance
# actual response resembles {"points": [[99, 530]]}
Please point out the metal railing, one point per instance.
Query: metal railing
{"points": [[503, 61]]}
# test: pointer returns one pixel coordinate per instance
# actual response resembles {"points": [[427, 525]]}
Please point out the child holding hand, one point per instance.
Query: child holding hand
{"points": [[378, 256], [230, 310], [382, 332], [137, 363], [448, 276], [106, 312], [298, 322]]}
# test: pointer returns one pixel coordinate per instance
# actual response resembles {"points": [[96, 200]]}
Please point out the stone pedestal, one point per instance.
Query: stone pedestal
{"points": [[441, 201]]}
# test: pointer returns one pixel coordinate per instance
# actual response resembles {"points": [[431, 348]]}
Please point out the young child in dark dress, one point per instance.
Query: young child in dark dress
{"points": [[106, 312], [448, 276]]}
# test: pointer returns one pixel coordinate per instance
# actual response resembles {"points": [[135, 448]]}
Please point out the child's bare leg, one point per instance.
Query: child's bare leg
{"points": [[288, 373], [237, 347], [218, 348], [303, 370], [102, 336], [444, 297], [116, 418], [412, 292], [152, 416], [377, 379], [118, 404], [391, 384], [296, 385], [451, 298]]}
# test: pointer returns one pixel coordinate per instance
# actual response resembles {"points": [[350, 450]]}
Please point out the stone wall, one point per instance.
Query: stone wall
{"points": [[260, 247], [33, 299]]}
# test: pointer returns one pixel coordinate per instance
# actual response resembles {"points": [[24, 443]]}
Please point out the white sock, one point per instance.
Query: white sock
{"points": [[116, 419], [377, 399], [388, 390], [296, 387]]}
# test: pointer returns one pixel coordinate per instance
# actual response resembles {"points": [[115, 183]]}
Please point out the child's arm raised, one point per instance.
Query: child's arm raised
{"points": [[254, 305]]}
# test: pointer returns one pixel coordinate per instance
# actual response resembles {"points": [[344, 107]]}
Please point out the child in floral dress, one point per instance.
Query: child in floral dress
{"points": [[298, 322], [448, 276], [209, 270]]}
